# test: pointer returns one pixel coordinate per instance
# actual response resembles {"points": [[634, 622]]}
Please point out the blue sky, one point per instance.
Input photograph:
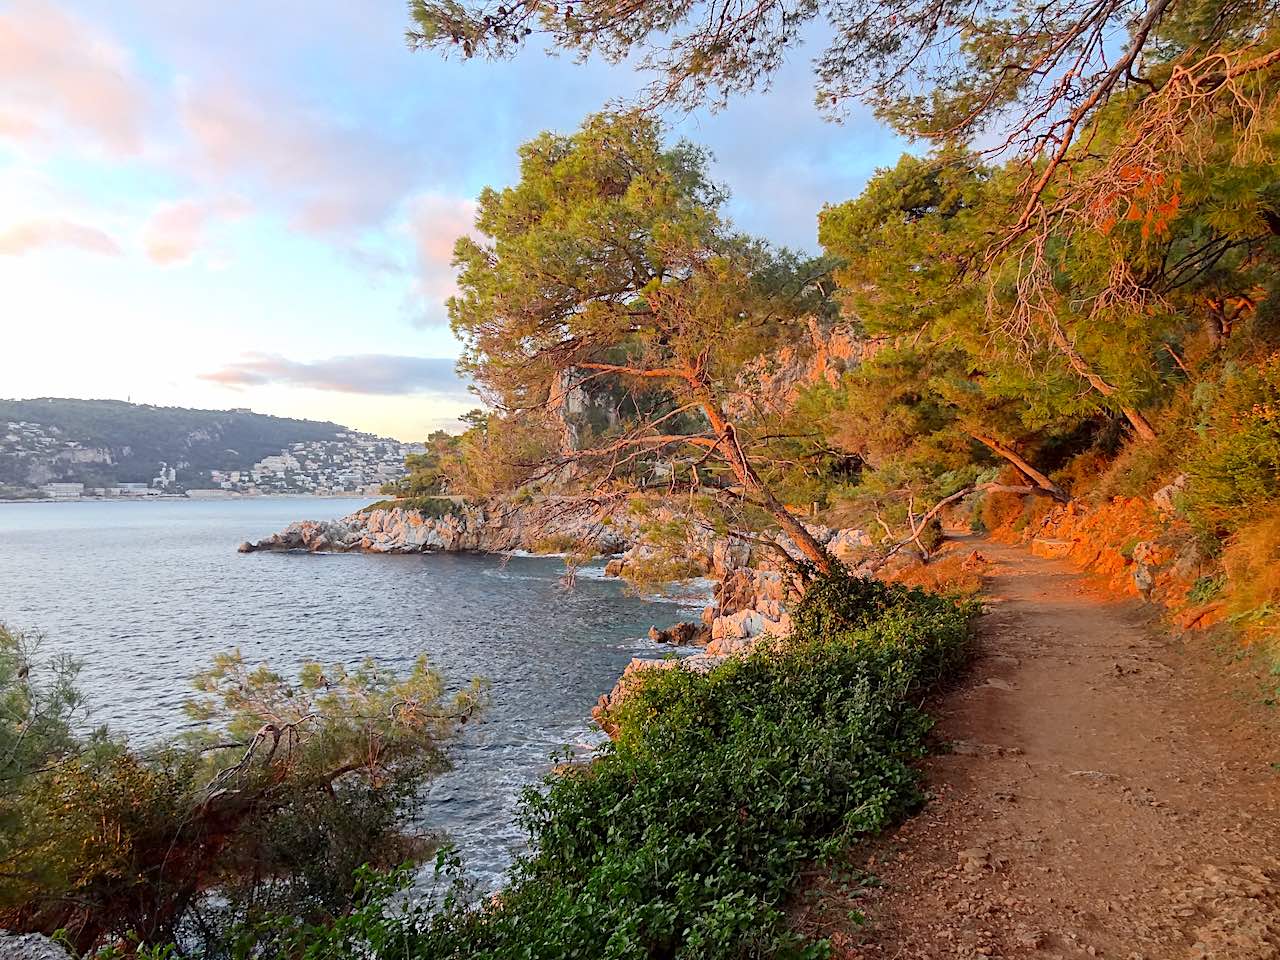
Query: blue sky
{"points": [[240, 203]]}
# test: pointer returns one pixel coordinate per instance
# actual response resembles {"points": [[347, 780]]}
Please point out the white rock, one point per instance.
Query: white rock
{"points": [[1164, 497]]}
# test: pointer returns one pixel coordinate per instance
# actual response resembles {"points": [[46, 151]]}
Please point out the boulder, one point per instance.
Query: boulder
{"points": [[682, 635], [741, 625], [727, 646], [736, 592], [729, 555], [1143, 579], [30, 946], [848, 545], [1163, 499]]}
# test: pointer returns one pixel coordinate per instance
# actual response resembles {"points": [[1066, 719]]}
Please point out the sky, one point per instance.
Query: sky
{"points": [[252, 203]]}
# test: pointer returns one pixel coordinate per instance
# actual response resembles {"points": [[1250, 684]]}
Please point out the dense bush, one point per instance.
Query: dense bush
{"points": [[433, 507], [267, 806], [1237, 466], [1252, 562], [684, 838]]}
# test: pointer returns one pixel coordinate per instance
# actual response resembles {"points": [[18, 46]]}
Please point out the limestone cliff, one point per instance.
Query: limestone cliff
{"points": [[770, 384], [493, 527]]}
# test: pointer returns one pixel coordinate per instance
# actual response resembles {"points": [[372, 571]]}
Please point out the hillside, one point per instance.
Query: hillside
{"points": [[100, 442]]}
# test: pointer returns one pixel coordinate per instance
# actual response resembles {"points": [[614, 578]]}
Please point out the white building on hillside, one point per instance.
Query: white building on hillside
{"points": [[64, 489]]}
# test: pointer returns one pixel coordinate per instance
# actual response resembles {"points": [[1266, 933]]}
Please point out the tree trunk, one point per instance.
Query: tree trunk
{"points": [[1031, 473], [815, 552], [1141, 425], [1213, 324]]}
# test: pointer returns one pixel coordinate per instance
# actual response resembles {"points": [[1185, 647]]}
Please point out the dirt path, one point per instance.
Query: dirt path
{"points": [[1111, 793]]}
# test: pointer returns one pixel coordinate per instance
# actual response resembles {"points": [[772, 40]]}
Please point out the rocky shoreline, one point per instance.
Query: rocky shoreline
{"points": [[488, 527], [751, 600], [752, 596]]}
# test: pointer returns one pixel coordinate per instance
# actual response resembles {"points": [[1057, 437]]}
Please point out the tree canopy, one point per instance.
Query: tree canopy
{"points": [[1101, 107], [609, 270]]}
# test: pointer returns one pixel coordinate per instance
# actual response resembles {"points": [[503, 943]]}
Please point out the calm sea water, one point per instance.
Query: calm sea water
{"points": [[146, 593]]}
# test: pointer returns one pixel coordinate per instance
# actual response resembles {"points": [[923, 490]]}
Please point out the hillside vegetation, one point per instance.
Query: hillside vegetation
{"points": [[126, 442]]}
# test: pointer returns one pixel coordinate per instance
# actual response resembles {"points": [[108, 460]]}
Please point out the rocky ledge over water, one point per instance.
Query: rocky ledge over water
{"points": [[545, 525]]}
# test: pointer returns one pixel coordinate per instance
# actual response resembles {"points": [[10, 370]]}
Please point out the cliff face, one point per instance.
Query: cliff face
{"points": [[771, 383]]}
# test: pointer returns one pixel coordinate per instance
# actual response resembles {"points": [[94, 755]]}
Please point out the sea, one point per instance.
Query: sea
{"points": [[144, 594]]}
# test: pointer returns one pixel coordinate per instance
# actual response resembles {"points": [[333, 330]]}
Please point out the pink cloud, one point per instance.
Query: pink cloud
{"points": [[328, 177], [436, 222], [376, 374], [174, 231], [60, 75], [31, 235]]}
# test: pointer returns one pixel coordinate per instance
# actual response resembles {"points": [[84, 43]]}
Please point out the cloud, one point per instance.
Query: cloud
{"points": [[60, 75], [28, 236], [173, 232], [370, 373], [436, 222], [329, 177]]}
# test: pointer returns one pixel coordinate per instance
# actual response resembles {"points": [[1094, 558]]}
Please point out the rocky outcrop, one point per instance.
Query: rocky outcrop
{"points": [[750, 603], [608, 703], [478, 527], [30, 946], [682, 635], [771, 383], [1166, 498], [752, 599], [753, 591]]}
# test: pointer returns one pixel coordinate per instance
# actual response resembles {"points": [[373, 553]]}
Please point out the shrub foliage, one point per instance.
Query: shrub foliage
{"points": [[685, 836], [266, 807]]}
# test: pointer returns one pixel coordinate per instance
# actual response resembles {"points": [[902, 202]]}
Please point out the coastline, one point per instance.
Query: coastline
{"points": [[171, 497], [740, 594]]}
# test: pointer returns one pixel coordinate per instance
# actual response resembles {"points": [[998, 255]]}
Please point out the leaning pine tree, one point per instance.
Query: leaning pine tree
{"points": [[608, 270]]}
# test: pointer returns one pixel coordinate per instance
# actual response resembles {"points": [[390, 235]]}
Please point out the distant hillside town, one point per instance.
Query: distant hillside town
{"points": [[352, 463], [67, 449]]}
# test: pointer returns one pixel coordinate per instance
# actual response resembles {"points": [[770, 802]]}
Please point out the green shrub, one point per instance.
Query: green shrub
{"points": [[556, 543], [1206, 588], [686, 836], [1236, 468], [433, 507], [265, 806]]}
